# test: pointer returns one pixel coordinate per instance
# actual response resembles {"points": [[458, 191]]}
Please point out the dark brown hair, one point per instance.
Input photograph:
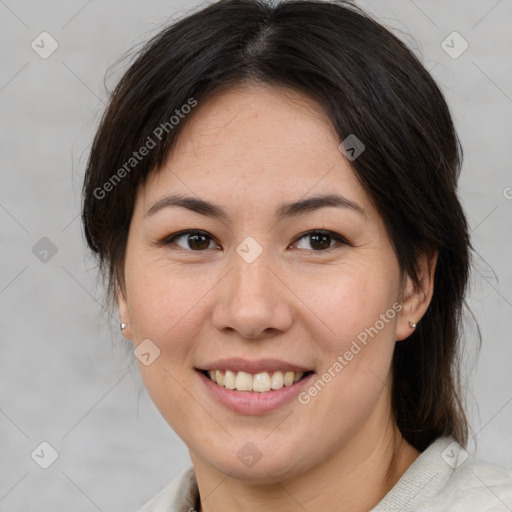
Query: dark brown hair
{"points": [[369, 84]]}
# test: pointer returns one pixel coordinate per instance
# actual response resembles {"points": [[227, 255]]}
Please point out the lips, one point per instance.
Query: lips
{"points": [[253, 367], [259, 376], [249, 402]]}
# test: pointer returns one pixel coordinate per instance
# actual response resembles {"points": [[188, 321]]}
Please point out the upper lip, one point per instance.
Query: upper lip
{"points": [[256, 366]]}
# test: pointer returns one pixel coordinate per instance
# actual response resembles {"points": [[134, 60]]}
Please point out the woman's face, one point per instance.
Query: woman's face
{"points": [[257, 291]]}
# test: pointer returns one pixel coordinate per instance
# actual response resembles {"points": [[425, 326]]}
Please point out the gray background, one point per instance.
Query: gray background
{"points": [[66, 376]]}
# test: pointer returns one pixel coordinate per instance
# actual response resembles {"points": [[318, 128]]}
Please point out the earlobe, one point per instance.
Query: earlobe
{"points": [[416, 298], [124, 315]]}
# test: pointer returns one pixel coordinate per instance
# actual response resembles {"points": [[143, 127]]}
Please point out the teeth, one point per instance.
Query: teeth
{"points": [[260, 382], [243, 381], [277, 380], [288, 378], [229, 380]]}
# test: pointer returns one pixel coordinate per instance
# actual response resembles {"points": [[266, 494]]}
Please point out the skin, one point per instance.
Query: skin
{"points": [[249, 149]]}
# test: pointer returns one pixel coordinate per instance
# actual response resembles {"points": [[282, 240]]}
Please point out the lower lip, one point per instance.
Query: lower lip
{"points": [[254, 402]]}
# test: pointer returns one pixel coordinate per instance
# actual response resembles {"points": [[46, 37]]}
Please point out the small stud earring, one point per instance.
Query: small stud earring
{"points": [[412, 324], [123, 326]]}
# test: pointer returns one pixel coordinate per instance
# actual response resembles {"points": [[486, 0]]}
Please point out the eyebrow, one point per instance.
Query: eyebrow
{"points": [[289, 209]]}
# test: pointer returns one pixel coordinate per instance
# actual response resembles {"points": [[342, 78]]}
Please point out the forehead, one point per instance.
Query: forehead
{"points": [[256, 120], [256, 143]]}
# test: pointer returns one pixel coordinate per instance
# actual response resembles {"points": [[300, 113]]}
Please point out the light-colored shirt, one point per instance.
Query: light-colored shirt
{"points": [[444, 478]]}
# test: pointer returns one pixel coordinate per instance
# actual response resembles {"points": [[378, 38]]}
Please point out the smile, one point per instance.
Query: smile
{"points": [[259, 382]]}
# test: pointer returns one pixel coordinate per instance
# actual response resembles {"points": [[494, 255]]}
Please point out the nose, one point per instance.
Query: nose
{"points": [[253, 301]]}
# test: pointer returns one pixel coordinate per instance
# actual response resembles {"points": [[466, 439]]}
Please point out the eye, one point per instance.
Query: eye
{"points": [[320, 240], [196, 240]]}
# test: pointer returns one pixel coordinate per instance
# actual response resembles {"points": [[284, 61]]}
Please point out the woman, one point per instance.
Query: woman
{"points": [[271, 196]]}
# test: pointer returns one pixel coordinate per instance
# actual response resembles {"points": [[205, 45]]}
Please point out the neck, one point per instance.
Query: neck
{"points": [[354, 479]]}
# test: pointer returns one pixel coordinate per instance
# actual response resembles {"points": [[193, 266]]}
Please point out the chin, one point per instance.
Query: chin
{"points": [[250, 464]]}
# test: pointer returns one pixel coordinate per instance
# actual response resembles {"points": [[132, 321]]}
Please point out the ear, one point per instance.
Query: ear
{"points": [[124, 314], [416, 300]]}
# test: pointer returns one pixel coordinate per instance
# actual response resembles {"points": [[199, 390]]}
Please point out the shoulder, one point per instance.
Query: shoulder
{"points": [[445, 478], [475, 485], [177, 496]]}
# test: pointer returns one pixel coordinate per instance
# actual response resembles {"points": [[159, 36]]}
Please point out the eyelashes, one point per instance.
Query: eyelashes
{"points": [[200, 241], [199, 235], [321, 236]]}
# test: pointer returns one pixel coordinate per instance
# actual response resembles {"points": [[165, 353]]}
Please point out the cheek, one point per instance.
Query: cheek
{"points": [[153, 301], [165, 307], [167, 304], [354, 339], [347, 304]]}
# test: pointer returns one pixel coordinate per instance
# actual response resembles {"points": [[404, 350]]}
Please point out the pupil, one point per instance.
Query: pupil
{"points": [[324, 239], [202, 244]]}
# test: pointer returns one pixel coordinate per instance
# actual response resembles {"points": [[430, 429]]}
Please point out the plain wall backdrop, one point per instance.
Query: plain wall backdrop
{"points": [[66, 377]]}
